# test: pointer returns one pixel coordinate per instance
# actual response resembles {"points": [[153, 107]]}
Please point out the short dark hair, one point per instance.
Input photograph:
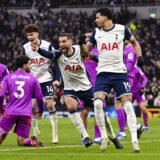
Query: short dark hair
{"points": [[68, 35], [89, 31], [21, 60], [31, 28], [105, 12]]}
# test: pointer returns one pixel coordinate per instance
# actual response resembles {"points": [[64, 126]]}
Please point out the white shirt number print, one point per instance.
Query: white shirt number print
{"points": [[20, 89]]}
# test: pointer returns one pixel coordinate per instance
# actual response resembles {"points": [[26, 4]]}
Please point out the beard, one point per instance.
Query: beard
{"points": [[28, 70], [65, 51]]}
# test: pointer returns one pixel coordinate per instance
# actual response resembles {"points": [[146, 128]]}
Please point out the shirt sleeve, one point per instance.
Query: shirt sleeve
{"points": [[3, 91], [50, 54], [6, 72], [143, 78], [128, 34], [130, 66], [51, 48], [38, 95], [130, 79], [92, 40], [23, 51]]}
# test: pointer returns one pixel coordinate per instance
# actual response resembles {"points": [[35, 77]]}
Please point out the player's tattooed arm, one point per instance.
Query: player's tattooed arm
{"points": [[85, 49], [93, 57]]}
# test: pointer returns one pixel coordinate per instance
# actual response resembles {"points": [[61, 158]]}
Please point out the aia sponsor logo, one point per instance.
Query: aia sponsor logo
{"points": [[37, 61], [109, 46], [73, 68]]}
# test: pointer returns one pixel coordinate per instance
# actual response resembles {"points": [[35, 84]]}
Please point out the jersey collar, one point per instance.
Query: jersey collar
{"points": [[72, 53], [109, 29]]}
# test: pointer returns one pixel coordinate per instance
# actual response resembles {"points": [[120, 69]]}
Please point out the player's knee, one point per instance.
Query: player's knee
{"points": [[71, 109], [34, 105], [143, 109], [118, 105], [98, 103], [84, 114], [126, 98], [51, 108]]}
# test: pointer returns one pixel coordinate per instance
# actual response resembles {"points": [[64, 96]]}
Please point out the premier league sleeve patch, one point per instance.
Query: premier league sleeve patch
{"points": [[130, 56]]}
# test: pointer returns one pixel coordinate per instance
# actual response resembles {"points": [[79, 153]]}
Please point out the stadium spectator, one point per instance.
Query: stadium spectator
{"points": [[55, 22], [157, 100], [59, 3]]}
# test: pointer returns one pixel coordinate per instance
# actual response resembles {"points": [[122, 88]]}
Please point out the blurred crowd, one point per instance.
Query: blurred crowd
{"points": [[52, 24], [60, 3]]}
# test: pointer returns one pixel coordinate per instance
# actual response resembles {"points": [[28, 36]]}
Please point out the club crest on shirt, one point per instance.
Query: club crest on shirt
{"points": [[116, 36]]}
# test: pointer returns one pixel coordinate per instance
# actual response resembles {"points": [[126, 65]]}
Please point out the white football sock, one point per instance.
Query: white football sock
{"points": [[131, 119], [99, 115], [77, 121], [54, 123], [35, 126]]}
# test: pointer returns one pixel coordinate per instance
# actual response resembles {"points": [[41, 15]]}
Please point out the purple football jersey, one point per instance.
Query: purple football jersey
{"points": [[90, 66], [3, 71], [130, 58], [137, 80], [21, 85]]}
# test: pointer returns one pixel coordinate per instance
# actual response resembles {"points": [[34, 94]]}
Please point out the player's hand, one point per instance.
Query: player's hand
{"points": [[34, 47], [141, 91], [56, 83], [81, 39], [140, 61], [38, 115], [90, 56]]}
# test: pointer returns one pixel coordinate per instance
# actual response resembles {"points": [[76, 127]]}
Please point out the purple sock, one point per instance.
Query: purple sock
{"points": [[85, 126], [28, 142], [145, 119], [125, 120], [121, 117], [1, 131], [97, 132]]}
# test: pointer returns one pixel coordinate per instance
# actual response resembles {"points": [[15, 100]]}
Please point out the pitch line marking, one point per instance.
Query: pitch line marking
{"points": [[66, 146], [91, 154]]}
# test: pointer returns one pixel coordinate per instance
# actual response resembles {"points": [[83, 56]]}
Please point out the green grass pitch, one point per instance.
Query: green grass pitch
{"points": [[70, 148]]}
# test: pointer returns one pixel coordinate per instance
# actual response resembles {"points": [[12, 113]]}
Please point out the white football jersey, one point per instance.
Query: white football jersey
{"points": [[40, 65], [110, 46], [73, 71]]}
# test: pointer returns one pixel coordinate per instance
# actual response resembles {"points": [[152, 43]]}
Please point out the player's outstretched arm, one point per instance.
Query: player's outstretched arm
{"points": [[45, 53], [136, 46], [143, 79], [85, 49], [42, 52], [93, 57]]}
